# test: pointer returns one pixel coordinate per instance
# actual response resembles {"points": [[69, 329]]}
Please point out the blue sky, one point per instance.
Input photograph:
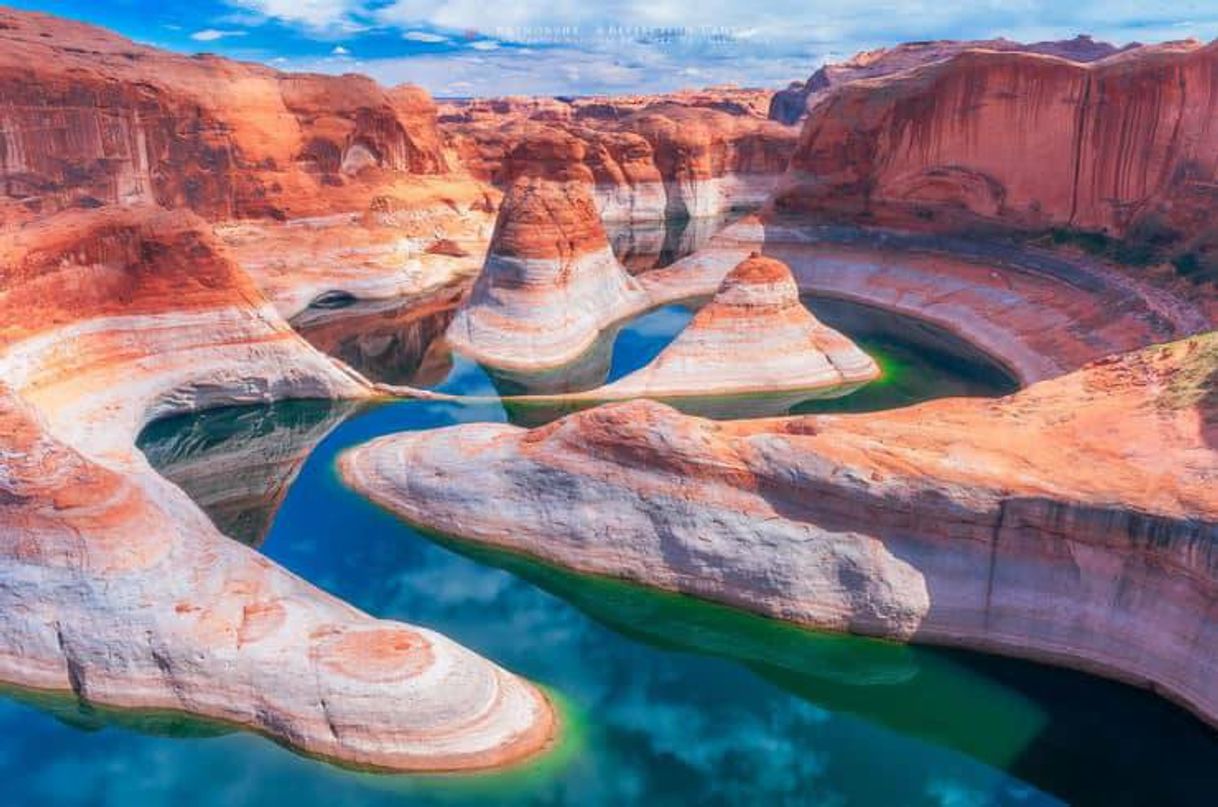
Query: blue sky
{"points": [[496, 47]]}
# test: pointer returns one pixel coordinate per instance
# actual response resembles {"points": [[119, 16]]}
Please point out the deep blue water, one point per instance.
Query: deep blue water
{"points": [[667, 700]]}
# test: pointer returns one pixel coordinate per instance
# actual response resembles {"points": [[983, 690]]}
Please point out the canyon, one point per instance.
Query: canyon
{"points": [[181, 234]]}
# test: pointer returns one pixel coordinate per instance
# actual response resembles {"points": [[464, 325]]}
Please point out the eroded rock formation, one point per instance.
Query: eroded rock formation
{"points": [[754, 336], [685, 155], [550, 283], [119, 589], [1071, 522]]}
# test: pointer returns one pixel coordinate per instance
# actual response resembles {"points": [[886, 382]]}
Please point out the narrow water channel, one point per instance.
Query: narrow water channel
{"points": [[666, 700]]}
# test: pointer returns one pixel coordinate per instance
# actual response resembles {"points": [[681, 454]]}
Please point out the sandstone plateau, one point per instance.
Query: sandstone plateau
{"points": [[1071, 522], [119, 589]]}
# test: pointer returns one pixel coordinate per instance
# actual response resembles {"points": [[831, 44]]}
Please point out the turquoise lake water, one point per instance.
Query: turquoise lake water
{"points": [[666, 700]]}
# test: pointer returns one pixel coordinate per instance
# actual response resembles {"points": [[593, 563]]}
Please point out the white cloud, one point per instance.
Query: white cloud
{"points": [[424, 36], [339, 50], [613, 45], [212, 34], [316, 14]]}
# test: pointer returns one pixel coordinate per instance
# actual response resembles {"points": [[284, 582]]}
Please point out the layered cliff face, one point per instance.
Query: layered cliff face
{"points": [[318, 184], [1071, 522], [90, 118], [754, 336], [1122, 147], [550, 283], [119, 589], [685, 155], [790, 105]]}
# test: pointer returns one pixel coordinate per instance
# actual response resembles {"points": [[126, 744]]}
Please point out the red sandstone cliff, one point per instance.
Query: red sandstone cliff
{"points": [[1124, 146], [89, 118], [791, 105]]}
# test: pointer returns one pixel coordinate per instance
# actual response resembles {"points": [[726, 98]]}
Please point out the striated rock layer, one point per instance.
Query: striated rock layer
{"points": [[550, 283], [119, 589], [754, 336], [791, 105], [91, 118], [1122, 147], [678, 156], [319, 185], [1073, 522], [1037, 313]]}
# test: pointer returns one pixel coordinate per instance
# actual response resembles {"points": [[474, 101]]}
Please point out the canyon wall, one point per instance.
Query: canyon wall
{"points": [[789, 106], [1123, 147], [88, 118], [676, 156]]}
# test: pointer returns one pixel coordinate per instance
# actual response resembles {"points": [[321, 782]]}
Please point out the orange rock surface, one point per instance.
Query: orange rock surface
{"points": [[754, 337], [91, 118], [550, 283], [690, 154], [791, 105], [1121, 146]]}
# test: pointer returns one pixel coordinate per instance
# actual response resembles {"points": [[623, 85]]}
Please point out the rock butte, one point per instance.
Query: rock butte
{"points": [[119, 589], [1072, 522], [550, 283], [754, 336]]}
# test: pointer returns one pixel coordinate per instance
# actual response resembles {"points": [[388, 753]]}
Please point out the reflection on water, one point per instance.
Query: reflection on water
{"points": [[918, 360], [390, 341], [669, 700], [238, 463], [640, 246]]}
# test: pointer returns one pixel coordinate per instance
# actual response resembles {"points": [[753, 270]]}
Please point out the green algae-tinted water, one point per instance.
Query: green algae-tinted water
{"points": [[665, 699]]}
